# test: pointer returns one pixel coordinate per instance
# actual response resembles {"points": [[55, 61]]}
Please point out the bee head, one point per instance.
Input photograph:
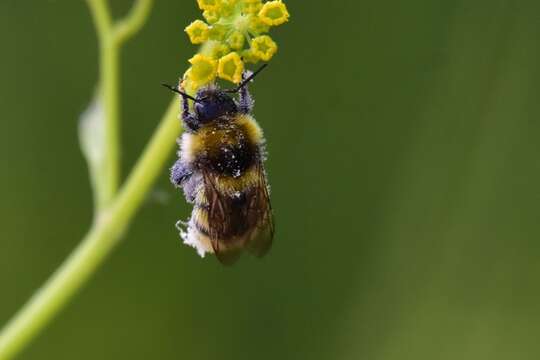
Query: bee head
{"points": [[213, 103]]}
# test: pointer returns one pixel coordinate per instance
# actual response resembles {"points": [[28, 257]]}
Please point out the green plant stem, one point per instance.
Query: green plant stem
{"points": [[111, 42], [105, 233], [101, 16], [109, 56], [105, 187], [113, 210], [110, 38], [133, 21]]}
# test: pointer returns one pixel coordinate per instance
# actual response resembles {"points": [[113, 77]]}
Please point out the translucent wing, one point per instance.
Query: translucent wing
{"points": [[262, 234], [242, 220], [222, 221]]}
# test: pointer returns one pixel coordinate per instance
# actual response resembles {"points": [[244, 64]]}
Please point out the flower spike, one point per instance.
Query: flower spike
{"points": [[233, 34]]}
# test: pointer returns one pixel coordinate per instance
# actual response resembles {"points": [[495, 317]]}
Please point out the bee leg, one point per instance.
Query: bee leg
{"points": [[190, 122], [188, 118], [180, 173], [245, 101]]}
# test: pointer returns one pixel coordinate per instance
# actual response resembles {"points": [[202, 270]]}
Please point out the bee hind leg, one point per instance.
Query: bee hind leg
{"points": [[245, 101]]}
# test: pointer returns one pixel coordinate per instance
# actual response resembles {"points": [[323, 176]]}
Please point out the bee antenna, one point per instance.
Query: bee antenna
{"points": [[244, 83], [175, 90]]}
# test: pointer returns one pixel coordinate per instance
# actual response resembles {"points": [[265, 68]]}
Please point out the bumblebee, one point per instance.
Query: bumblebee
{"points": [[220, 169]]}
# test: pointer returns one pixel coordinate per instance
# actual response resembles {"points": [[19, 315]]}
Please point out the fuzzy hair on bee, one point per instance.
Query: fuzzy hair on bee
{"points": [[220, 170]]}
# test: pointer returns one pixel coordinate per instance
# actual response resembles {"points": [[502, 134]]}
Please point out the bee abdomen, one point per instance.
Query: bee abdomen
{"points": [[231, 223], [199, 218], [200, 228]]}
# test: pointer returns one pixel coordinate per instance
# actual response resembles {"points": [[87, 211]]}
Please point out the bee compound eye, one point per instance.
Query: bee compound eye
{"points": [[207, 110]]}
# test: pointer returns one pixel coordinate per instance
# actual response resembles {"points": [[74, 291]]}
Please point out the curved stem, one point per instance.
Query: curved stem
{"points": [[109, 56], [105, 188], [96, 245], [114, 211], [111, 38], [101, 16], [133, 22]]}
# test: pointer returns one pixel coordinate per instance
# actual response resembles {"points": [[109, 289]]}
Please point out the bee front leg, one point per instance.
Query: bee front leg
{"points": [[190, 122], [180, 172], [189, 119], [245, 101]]}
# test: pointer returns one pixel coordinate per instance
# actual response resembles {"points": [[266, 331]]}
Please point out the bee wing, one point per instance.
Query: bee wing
{"points": [[220, 223], [238, 223], [260, 210]]}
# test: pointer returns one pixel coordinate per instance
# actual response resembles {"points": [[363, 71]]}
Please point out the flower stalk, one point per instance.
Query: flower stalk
{"points": [[104, 235], [113, 210], [233, 35]]}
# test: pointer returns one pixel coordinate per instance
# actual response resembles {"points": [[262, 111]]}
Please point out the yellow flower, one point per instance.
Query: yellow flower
{"points": [[249, 57], [228, 7], [236, 40], [257, 26], [263, 47], [186, 83], [197, 31], [219, 50], [218, 32], [203, 70], [274, 13], [232, 34], [211, 5], [211, 16], [231, 67], [252, 6]]}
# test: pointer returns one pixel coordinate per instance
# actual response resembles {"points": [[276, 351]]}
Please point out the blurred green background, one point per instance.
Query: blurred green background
{"points": [[404, 164]]}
